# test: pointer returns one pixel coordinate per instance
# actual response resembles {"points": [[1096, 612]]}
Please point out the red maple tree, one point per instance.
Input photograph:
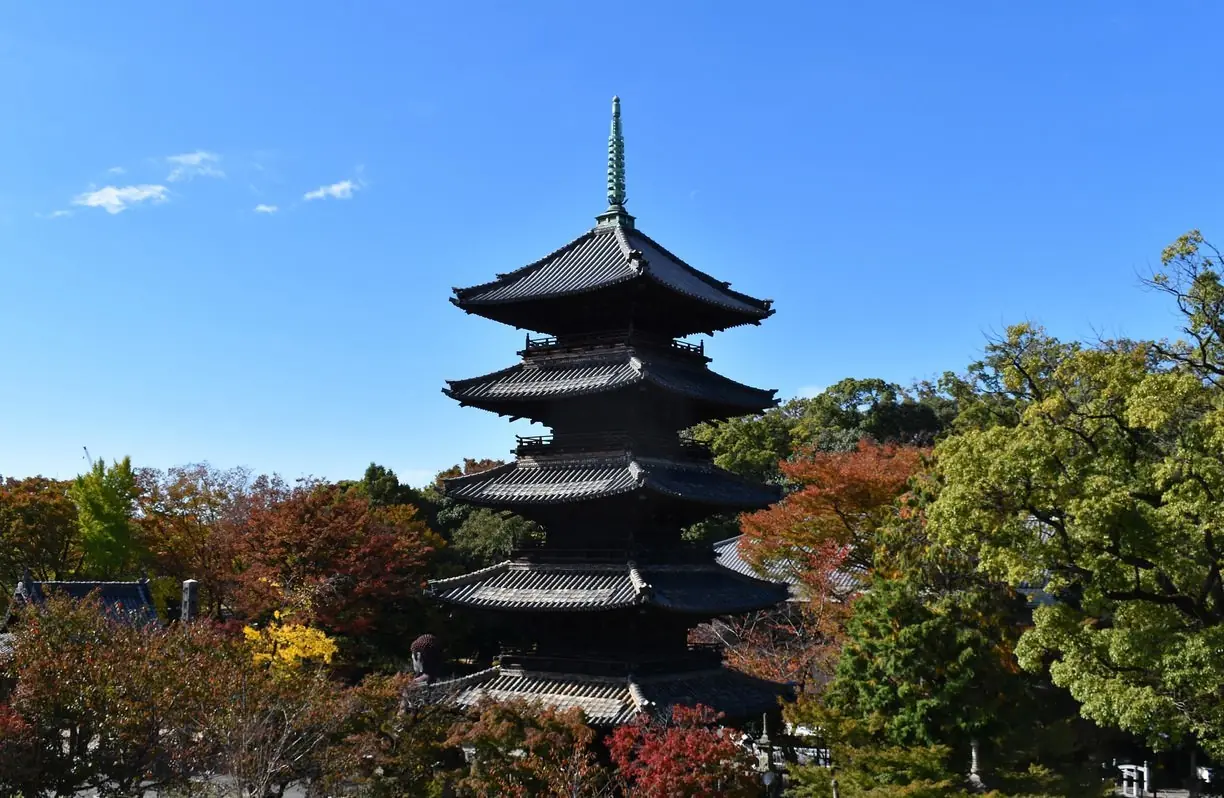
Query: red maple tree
{"points": [[343, 565], [690, 755], [829, 523]]}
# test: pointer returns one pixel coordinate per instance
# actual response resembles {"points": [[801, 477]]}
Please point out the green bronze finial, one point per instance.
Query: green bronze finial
{"points": [[616, 160], [615, 215]]}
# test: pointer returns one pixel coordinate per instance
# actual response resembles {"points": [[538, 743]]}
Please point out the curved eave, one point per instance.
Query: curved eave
{"points": [[541, 484], [538, 312], [513, 391], [706, 591], [611, 701], [599, 260]]}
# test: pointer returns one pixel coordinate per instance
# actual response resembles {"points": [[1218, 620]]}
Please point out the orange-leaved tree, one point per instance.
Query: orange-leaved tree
{"points": [[831, 521], [822, 536]]}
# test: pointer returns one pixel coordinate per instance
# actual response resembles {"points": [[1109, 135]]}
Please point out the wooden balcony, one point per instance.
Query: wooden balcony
{"points": [[593, 342], [581, 442]]}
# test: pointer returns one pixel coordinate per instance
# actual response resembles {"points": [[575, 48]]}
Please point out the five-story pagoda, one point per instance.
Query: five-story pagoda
{"points": [[598, 614]]}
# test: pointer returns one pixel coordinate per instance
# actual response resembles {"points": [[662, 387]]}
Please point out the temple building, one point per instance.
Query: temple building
{"points": [[597, 614]]}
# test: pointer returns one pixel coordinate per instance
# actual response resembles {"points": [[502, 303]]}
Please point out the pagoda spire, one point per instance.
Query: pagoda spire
{"points": [[616, 215]]}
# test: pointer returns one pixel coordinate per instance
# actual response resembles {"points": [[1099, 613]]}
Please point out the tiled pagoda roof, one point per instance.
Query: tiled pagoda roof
{"points": [[605, 256], [695, 588], [844, 582], [553, 481], [567, 378], [615, 700]]}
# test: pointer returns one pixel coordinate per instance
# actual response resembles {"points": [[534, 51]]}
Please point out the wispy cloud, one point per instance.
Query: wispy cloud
{"points": [[342, 190], [58, 214], [194, 164], [262, 208], [116, 170], [114, 199]]}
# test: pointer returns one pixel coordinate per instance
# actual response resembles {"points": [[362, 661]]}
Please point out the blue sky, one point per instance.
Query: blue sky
{"points": [[902, 178]]}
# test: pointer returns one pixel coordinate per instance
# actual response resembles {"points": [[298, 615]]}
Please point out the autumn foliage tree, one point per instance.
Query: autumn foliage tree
{"points": [[192, 519], [523, 750], [105, 705], [38, 529], [843, 500], [688, 755], [343, 565]]}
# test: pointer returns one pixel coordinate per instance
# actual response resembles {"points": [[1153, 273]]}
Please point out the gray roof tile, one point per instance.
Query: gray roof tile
{"points": [[539, 481], [563, 379], [612, 701], [603, 257], [696, 588], [127, 601]]}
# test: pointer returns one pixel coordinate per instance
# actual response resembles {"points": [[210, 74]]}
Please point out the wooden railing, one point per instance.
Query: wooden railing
{"points": [[597, 340], [605, 441], [697, 656]]}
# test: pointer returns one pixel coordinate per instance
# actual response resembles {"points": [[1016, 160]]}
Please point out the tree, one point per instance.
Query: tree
{"points": [[104, 705], [488, 536], [38, 530], [834, 420], [393, 741], [796, 643], [277, 727], [522, 750], [344, 566], [844, 498], [690, 755], [192, 518], [923, 670], [853, 409], [106, 504], [752, 446], [1099, 469]]}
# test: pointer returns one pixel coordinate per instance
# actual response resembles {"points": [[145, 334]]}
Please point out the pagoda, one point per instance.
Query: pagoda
{"points": [[597, 614]]}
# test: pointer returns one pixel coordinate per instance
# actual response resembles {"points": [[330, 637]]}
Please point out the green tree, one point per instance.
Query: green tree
{"points": [[752, 446], [106, 506], [853, 409], [487, 536], [1100, 469], [834, 420]]}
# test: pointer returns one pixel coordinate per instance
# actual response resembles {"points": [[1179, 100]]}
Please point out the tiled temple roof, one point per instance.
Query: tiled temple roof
{"points": [[606, 256], [545, 481], [127, 601], [844, 582], [615, 700], [565, 379], [695, 588]]}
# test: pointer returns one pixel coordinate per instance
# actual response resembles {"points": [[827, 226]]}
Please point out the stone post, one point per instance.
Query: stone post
{"points": [[191, 601]]}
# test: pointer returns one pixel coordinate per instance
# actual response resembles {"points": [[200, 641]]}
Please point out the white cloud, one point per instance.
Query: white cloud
{"points": [[261, 208], [59, 214], [113, 199], [116, 170], [809, 391], [194, 164], [342, 190]]}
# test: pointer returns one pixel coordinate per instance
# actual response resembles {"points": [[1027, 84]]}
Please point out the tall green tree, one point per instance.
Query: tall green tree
{"points": [[1100, 470], [105, 498]]}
